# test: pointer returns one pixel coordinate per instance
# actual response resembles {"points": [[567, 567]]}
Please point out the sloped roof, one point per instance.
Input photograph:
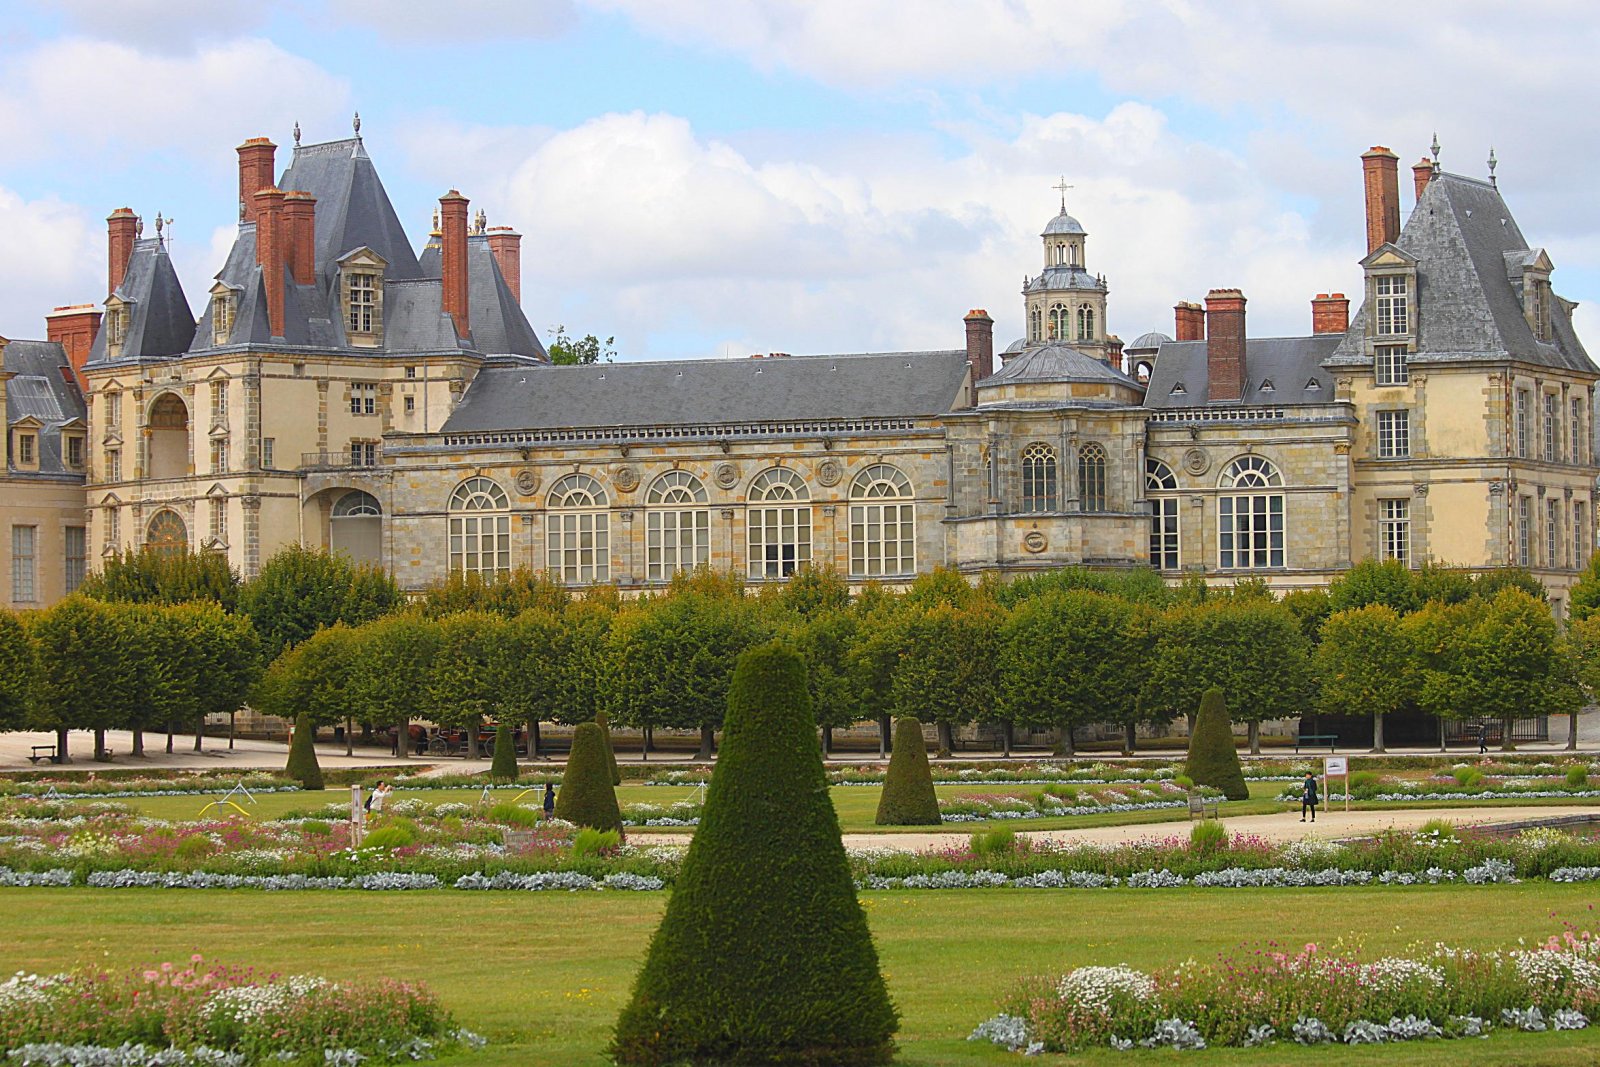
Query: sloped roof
{"points": [[1292, 366], [1063, 223], [160, 322], [1056, 363], [498, 325], [1464, 237], [352, 207], [711, 391], [43, 389], [1153, 339]]}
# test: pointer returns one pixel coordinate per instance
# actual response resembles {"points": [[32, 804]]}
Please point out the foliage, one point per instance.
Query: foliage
{"points": [[85, 654], [908, 798], [603, 721], [1584, 599], [148, 577], [302, 766], [465, 682], [1140, 585], [587, 797], [591, 842], [394, 661], [1212, 758], [1252, 649], [504, 767], [1070, 657], [18, 668], [949, 656], [572, 351], [507, 594], [764, 955], [301, 590], [393, 834], [1207, 836], [1388, 582], [1365, 664]]}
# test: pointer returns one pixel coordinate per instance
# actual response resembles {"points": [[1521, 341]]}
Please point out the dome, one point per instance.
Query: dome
{"points": [[1064, 223], [1056, 363], [1153, 339], [1015, 346]]}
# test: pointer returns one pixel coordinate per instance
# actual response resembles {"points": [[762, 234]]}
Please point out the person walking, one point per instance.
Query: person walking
{"points": [[549, 801], [380, 793], [1308, 797], [1483, 739]]}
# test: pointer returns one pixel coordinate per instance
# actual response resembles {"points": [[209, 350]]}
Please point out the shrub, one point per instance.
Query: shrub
{"points": [[1577, 776], [1183, 781], [396, 833], [764, 955], [1470, 777], [302, 765], [602, 720], [908, 798], [315, 828], [504, 767], [1207, 837], [514, 814], [590, 842], [1212, 758], [993, 844], [587, 797]]}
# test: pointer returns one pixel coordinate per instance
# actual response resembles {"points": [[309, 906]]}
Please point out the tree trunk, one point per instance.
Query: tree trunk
{"points": [[349, 737], [1130, 739], [99, 746], [1506, 744], [1189, 718], [138, 743], [1064, 741], [1572, 730], [1442, 745], [366, 733], [1254, 733], [1377, 733], [645, 743], [533, 738], [827, 742], [233, 717], [199, 734], [708, 742], [472, 738], [1005, 738], [169, 739], [61, 744], [402, 739], [885, 742], [947, 740]]}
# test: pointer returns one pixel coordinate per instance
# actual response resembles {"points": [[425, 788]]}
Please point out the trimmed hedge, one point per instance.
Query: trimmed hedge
{"points": [[1213, 760], [604, 722], [302, 766], [587, 797], [504, 766], [908, 798], [763, 955]]}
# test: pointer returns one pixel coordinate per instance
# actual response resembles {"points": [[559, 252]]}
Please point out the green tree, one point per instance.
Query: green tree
{"points": [[85, 679], [394, 667], [1213, 760], [301, 590], [1312, 608], [302, 765], [147, 577], [947, 670], [504, 765], [570, 351], [508, 594], [464, 684], [874, 653], [1436, 635], [1439, 583], [582, 684], [1584, 600], [1067, 658], [824, 638], [1509, 660], [1582, 652], [908, 798], [18, 673], [603, 721], [1487, 586], [525, 667], [763, 955], [587, 797], [1366, 666], [1373, 581]]}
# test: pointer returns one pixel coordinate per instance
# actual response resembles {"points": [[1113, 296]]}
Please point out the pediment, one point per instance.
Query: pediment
{"points": [[362, 257], [27, 422], [110, 500], [219, 374], [216, 491], [1389, 255]]}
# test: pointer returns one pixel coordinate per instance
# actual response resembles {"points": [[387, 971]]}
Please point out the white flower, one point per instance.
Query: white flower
{"points": [[1095, 987]]}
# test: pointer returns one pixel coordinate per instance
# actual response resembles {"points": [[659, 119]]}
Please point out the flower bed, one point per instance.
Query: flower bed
{"points": [[205, 783], [1265, 994], [1064, 800], [209, 1014]]}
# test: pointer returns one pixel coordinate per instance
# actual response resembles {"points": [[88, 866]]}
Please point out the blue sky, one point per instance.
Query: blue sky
{"points": [[701, 178]]}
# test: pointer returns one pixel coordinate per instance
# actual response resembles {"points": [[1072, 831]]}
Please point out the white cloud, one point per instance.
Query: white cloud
{"points": [[461, 21], [158, 25], [49, 258]]}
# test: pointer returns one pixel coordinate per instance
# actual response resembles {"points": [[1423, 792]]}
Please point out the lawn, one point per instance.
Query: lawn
{"points": [[544, 975]]}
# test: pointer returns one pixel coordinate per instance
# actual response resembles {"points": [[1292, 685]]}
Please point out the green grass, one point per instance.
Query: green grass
{"points": [[544, 975]]}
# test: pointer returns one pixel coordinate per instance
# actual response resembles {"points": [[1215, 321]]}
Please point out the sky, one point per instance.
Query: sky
{"points": [[702, 178]]}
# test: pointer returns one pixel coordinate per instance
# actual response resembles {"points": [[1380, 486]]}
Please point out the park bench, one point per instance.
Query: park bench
{"points": [[1205, 807], [1316, 741], [43, 752]]}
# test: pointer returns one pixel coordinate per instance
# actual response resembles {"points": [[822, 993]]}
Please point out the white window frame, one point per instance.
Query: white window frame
{"points": [[479, 528], [1040, 478], [1579, 442], [1554, 525], [1548, 412], [1092, 461], [219, 520], [1060, 323], [219, 455], [1390, 366], [363, 398], [24, 564], [1394, 530], [1394, 433], [677, 525], [1524, 403], [363, 310], [268, 446], [1165, 527], [1524, 531], [74, 556], [1252, 528], [1393, 305], [578, 531], [883, 524], [777, 525]]}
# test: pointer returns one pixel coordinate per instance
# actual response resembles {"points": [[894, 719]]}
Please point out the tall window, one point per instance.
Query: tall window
{"points": [[113, 527], [1250, 520], [1394, 305], [73, 443], [166, 535], [113, 405], [1036, 324], [219, 520], [677, 525], [363, 398], [1038, 478], [1394, 434], [363, 453], [1521, 421], [1060, 322], [268, 446], [1580, 433], [1391, 365], [1092, 477], [24, 564], [578, 531], [1553, 527], [219, 403], [1394, 530], [480, 528], [27, 451], [113, 465], [1085, 323], [778, 523], [1579, 545], [1550, 411], [221, 317], [1524, 531], [77, 556], [1158, 477], [219, 455], [883, 527], [361, 302]]}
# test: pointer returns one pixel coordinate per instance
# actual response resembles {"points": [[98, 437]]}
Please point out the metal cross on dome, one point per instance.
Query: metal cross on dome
{"points": [[1063, 186]]}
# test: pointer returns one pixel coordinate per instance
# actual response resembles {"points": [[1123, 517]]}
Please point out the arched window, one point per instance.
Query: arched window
{"points": [[1038, 478], [1250, 526], [1036, 324], [1085, 323], [778, 523], [578, 531], [883, 528], [1060, 323], [166, 535], [356, 504], [677, 525], [1159, 479], [356, 527], [480, 528], [169, 437], [1092, 477]]}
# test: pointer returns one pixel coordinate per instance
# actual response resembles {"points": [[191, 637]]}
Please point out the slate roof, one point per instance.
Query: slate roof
{"points": [[1153, 339], [160, 322], [45, 389], [712, 391], [1061, 276], [352, 207], [1056, 363], [1469, 302], [1063, 223], [1278, 371]]}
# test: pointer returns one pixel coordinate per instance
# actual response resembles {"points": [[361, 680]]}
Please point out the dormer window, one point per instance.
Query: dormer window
{"points": [[26, 449], [116, 327], [72, 449], [361, 301], [222, 313], [361, 289], [1393, 303], [1536, 298]]}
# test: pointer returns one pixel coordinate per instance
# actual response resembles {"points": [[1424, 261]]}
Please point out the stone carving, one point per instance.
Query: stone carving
{"points": [[527, 481], [1420, 489], [626, 479], [1196, 462], [829, 472], [1035, 541], [726, 475]]}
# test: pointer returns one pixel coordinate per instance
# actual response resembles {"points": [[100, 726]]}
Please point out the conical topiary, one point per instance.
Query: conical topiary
{"points": [[763, 955], [504, 766], [1212, 758], [587, 796], [602, 720], [303, 766], [908, 798]]}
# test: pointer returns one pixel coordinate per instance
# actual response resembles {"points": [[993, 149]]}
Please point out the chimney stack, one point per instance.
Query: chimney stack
{"points": [[505, 244], [1380, 170], [1225, 369], [453, 258], [1330, 313], [122, 229], [980, 343], [1189, 321], [74, 329], [300, 232], [271, 249], [255, 174], [1422, 174]]}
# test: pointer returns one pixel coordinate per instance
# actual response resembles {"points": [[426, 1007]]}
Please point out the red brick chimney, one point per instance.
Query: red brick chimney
{"points": [[980, 343], [255, 173], [1189, 321], [453, 258], [1225, 344], [300, 231], [1422, 174], [122, 229], [74, 329], [505, 244], [1380, 170], [271, 252], [1330, 313]]}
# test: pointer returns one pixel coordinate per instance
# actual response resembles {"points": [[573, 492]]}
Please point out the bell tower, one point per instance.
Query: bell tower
{"points": [[1065, 304]]}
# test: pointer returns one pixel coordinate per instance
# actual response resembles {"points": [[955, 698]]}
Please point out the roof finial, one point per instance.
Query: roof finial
{"points": [[1063, 186], [436, 232], [1491, 168], [161, 225], [357, 125], [138, 226], [1435, 148], [297, 133]]}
